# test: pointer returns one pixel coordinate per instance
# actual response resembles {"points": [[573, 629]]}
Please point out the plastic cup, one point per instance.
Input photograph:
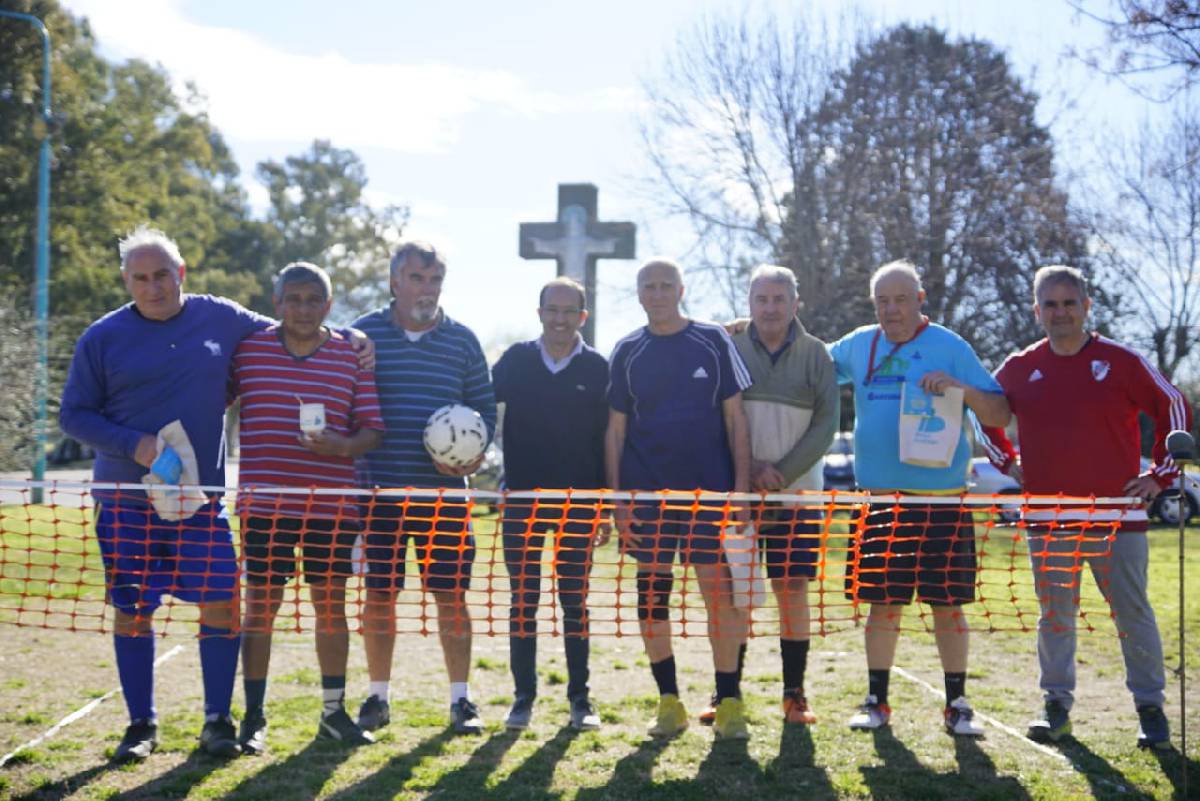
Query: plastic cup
{"points": [[312, 418]]}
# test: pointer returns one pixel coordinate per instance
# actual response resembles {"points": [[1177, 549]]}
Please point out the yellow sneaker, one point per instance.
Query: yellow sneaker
{"points": [[730, 723], [671, 719]]}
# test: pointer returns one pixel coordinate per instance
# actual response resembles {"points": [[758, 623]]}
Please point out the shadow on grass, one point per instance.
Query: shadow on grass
{"points": [[533, 777], [470, 779], [300, 776], [179, 780], [631, 775], [1105, 780], [795, 766], [66, 786], [904, 776], [1172, 766], [388, 779]]}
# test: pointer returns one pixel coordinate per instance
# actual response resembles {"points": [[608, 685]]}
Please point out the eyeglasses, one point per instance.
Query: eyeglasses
{"points": [[555, 311]]}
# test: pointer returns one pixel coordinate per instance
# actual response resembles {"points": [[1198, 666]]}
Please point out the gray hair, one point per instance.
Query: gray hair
{"points": [[661, 262], [427, 253], [897, 267], [302, 272], [144, 237], [775, 274], [1062, 275], [569, 283]]}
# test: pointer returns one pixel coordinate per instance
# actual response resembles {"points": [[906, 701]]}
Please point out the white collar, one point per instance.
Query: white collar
{"points": [[557, 366]]}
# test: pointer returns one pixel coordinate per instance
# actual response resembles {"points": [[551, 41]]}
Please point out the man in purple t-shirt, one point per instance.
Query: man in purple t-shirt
{"points": [[676, 423]]}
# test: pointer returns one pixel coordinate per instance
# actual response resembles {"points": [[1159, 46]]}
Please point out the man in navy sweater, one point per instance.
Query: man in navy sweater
{"points": [[554, 414]]}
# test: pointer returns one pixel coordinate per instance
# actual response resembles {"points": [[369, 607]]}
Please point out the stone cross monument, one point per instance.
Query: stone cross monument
{"points": [[577, 240]]}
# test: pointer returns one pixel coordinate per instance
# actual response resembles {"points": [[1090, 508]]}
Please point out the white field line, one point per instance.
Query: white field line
{"points": [[77, 714], [988, 719]]}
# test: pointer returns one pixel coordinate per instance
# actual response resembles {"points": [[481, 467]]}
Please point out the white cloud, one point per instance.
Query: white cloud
{"points": [[259, 92]]}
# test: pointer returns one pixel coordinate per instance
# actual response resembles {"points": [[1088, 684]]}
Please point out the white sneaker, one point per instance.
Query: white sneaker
{"points": [[871, 715], [960, 719]]}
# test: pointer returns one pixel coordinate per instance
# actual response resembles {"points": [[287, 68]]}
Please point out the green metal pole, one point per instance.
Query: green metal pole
{"points": [[41, 295]]}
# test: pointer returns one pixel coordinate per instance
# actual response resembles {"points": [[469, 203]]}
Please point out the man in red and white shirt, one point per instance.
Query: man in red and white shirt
{"points": [[275, 372], [1076, 396]]}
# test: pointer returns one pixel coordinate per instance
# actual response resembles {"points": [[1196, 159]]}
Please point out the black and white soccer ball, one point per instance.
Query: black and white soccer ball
{"points": [[455, 435]]}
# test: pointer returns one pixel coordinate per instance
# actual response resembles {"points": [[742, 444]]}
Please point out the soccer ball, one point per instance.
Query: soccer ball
{"points": [[455, 435]]}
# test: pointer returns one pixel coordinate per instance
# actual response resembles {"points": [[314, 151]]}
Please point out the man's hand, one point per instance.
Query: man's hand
{"points": [[326, 443], [623, 518], [735, 327], [458, 472], [1017, 472], [764, 477], [1144, 487], [147, 451], [937, 382], [364, 348], [603, 535]]}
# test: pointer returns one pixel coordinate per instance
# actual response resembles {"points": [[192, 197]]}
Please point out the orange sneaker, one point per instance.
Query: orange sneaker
{"points": [[796, 711], [708, 715]]}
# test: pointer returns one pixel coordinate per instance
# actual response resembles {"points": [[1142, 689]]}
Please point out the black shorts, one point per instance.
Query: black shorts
{"points": [[927, 549], [674, 527], [439, 531], [269, 547], [790, 539]]}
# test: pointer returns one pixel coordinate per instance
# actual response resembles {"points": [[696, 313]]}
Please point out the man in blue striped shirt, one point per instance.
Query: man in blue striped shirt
{"points": [[424, 360]]}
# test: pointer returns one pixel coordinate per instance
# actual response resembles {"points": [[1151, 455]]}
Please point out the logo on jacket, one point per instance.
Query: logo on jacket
{"points": [[213, 347], [1099, 369], [700, 373], [1036, 375]]}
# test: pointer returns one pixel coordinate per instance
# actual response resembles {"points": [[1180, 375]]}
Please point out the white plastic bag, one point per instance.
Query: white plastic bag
{"points": [[930, 425], [741, 555], [180, 501]]}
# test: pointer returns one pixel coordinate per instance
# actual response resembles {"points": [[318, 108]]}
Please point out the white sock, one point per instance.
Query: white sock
{"points": [[333, 699], [459, 689], [380, 689]]}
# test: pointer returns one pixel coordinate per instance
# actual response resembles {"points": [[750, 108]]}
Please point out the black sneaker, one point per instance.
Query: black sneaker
{"points": [[1153, 729], [252, 736], [218, 738], [374, 714], [1053, 726], [464, 718], [583, 714], [338, 726], [139, 742]]}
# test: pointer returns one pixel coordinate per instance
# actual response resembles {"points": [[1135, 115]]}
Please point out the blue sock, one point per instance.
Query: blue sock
{"points": [[219, 651], [135, 666]]}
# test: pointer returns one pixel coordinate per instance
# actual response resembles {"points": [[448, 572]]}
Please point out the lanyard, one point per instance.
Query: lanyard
{"points": [[895, 347]]}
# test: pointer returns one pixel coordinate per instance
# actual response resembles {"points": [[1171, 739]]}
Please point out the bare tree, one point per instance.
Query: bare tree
{"points": [[722, 132], [1147, 38], [1148, 235]]}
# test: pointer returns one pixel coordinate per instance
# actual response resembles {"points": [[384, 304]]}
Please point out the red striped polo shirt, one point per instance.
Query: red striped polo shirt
{"points": [[272, 383]]}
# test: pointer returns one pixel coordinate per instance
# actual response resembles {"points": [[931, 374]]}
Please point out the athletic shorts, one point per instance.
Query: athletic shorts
{"points": [[445, 548], [269, 547], [146, 557], [667, 529], [929, 550], [789, 538]]}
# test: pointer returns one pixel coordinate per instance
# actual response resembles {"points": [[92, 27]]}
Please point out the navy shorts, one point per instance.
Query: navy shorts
{"points": [[929, 550], [269, 546], [669, 528], [445, 548], [146, 557], [790, 539]]}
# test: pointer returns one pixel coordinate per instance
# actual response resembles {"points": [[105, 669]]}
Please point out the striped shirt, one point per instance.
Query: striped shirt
{"points": [[272, 382], [672, 388], [415, 379]]}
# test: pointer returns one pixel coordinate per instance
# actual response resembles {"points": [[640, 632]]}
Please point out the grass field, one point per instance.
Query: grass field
{"points": [[46, 673]]}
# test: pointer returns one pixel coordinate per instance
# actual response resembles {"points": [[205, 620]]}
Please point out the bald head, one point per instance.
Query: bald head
{"points": [[660, 290], [656, 267], [897, 294]]}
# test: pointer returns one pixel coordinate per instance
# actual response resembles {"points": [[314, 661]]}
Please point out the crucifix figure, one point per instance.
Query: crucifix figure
{"points": [[577, 240]]}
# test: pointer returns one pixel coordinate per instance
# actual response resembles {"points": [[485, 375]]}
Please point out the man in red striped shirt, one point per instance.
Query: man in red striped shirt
{"points": [[1076, 396], [308, 409]]}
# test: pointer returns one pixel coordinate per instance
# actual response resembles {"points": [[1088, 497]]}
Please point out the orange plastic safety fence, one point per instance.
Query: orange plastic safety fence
{"points": [[546, 563]]}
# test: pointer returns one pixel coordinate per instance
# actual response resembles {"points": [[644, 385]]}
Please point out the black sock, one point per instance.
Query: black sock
{"points": [[728, 685], [256, 693], [794, 654], [664, 676], [877, 684], [956, 686], [741, 662]]}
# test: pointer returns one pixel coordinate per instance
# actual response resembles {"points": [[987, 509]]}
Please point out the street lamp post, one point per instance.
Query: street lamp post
{"points": [[41, 297]]}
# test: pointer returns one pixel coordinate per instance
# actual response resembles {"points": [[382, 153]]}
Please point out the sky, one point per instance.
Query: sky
{"points": [[472, 113]]}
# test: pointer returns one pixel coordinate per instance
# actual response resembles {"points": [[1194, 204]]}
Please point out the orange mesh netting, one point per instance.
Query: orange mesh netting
{"points": [[530, 562]]}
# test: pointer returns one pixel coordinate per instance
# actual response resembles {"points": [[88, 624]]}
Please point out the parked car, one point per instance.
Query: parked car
{"points": [[490, 475], [1166, 506], [839, 463], [987, 480]]}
